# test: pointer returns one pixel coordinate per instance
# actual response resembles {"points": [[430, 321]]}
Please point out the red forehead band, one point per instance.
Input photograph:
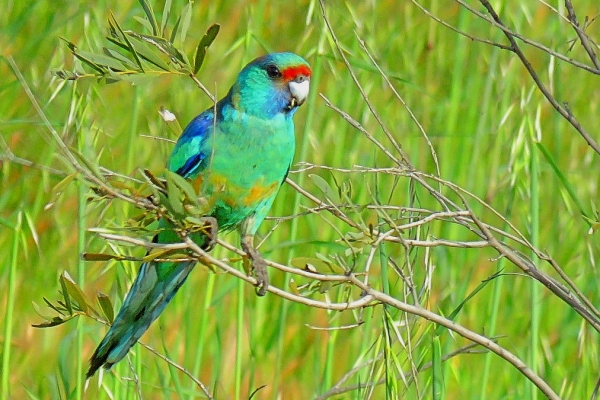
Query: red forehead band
{"points": [[292, 72]]}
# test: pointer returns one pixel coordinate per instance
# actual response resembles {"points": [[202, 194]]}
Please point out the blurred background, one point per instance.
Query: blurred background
{"points": [[485, 119]]}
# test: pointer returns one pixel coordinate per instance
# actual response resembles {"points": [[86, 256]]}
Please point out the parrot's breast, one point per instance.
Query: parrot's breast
{"points": [[250, 159]]}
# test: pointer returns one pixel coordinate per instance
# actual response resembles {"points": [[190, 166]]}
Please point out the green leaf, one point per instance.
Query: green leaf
{"points": [[440, 329], [563, 180], [184, 185], [145, 23], [294, 287], [144, 51], [65, 293], [150, 15], [159, 183], [55, 308], [66, 75], [175, 30], [322, 184], [437, 370], [129, 65], [54, 321], [103, 61], [163, 45], [186, 19], [319, 265], [82, 58], [111, 77], [154, 254], [106, 307], [165, 17], [101, 257], [174, 202], [324, 287], [40, 312], [114, 25], [205, 42], [333, 267], [91, 166], [74, 291], [63, 184]]}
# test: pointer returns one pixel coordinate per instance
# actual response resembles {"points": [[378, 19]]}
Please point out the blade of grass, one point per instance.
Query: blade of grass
{"points": [[10, 307]]}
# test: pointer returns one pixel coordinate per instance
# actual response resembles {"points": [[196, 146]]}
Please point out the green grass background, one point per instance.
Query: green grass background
{"points": [[477, 104]]}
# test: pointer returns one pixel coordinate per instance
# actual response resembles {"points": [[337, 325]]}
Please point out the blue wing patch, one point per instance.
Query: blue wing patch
{"points": [[192, 165], [189, 155]]}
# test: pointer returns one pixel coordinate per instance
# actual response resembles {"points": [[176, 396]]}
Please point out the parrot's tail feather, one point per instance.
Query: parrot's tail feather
{"points": [[154, 287]]}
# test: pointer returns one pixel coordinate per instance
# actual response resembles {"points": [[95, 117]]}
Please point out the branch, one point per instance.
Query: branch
{"points": [[562, 109]]}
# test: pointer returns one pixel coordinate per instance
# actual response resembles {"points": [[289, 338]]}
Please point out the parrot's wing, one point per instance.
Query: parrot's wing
{"points": [[189, 157]]}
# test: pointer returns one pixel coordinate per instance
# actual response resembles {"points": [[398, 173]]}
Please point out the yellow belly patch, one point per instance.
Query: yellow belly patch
{"points": [[236, 196]]}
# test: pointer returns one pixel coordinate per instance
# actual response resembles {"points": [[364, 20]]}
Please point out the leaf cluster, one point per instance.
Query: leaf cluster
{"points": [[136, 56]]}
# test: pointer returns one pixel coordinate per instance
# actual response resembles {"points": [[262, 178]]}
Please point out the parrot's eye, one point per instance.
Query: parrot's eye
{"points": [[273, 71]]}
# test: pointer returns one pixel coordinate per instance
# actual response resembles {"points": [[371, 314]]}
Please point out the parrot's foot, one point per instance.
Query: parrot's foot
{"points": [[258, 266], [211, 230]]}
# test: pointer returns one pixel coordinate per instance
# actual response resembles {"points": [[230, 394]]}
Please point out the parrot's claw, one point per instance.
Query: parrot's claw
{"points": [[211, 231], [258, 266], [260, 273]]}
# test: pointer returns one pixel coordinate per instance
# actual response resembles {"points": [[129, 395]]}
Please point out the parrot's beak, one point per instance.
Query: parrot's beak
{"points": [[299, 89]]}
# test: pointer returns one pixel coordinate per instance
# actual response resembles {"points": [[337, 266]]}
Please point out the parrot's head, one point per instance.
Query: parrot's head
{"points": [[277, 83]]}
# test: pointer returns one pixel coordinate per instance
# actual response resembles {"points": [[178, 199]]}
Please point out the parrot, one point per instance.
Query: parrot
{"points": [[238, 152]]}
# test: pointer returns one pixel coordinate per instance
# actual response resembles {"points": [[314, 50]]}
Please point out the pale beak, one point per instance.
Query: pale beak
{"points": [[299, 89]]}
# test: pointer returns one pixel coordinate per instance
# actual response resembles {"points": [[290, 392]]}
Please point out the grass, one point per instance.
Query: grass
{"points": [[494, 135]]}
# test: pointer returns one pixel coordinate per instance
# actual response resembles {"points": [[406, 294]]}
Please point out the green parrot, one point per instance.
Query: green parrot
{"points": [[238, 152]]}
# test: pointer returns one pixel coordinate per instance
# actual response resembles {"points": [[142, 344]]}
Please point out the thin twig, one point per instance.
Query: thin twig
{"points": [[562, 109], [583, 37]]}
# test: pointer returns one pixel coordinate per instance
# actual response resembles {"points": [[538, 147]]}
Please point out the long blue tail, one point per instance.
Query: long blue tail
{"points": [[154, 287]]}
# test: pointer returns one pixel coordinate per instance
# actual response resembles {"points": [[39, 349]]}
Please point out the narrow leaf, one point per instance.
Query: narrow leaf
{"points": [[106, 307], [165, 17], [65, 293], [103, 61], [91, 166], [185, 186], [101, 257], [52, 306], [437, 386], [116, 26], [154, 254], [40, 312], [186, 19], [564, 181], [440, 329], [121, 58], [75, 292], [61, 186], [205, 42], [163, 45], [82, 58], [175, 30], [174, 196], [145, 23], [154, 180], [150, 15], [322, 184], [55, 321]]}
